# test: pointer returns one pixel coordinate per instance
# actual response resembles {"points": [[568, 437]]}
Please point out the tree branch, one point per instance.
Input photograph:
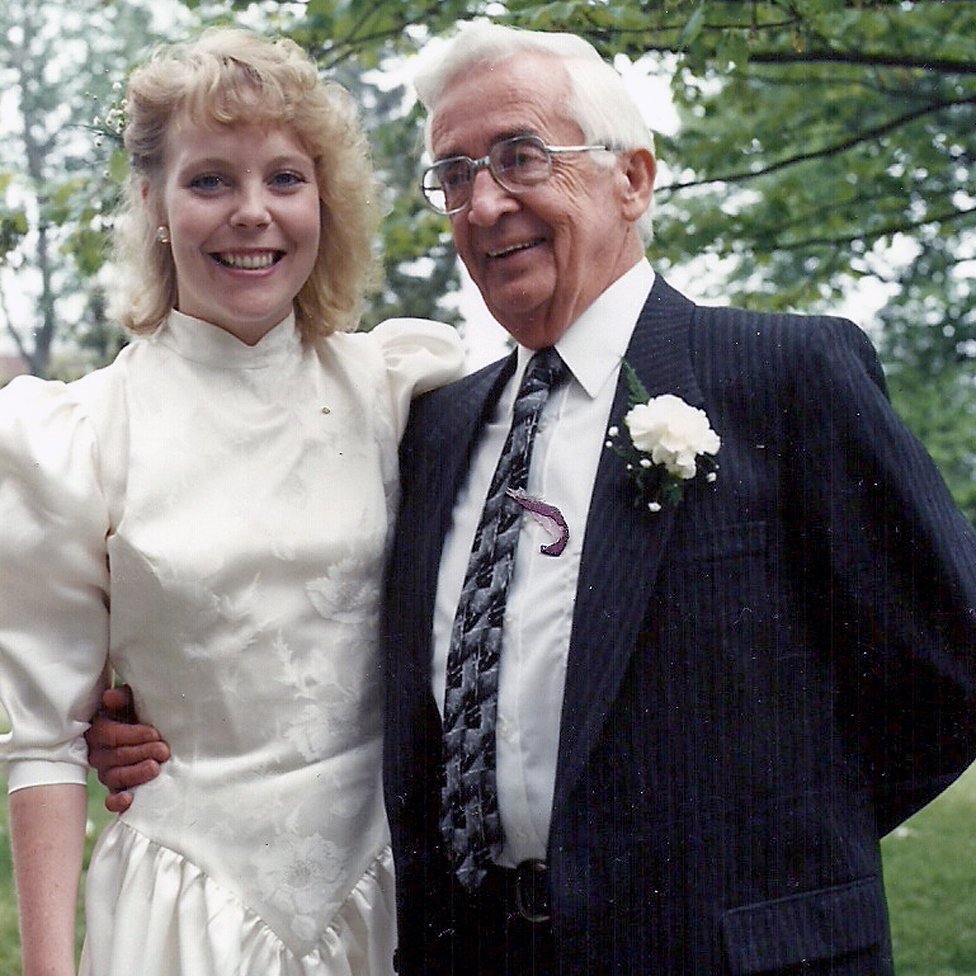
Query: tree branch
{"points": [[341, 49], [22, 350], [639, 45], [946, 66], [832, 150], [873, 234]]}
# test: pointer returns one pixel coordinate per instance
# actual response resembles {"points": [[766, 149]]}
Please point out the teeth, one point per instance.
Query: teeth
{"points": [[248, 262], [511, 250]]}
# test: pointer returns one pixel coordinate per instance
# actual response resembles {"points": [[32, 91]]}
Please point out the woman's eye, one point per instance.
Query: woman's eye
{"points": [[287, 179], [207, 182]]}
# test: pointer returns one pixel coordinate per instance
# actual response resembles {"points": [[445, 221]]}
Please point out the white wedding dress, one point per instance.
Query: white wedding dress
{"points": [[210, 519]]}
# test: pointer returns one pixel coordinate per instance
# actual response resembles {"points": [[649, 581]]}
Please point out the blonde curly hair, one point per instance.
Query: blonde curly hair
{"points": [[229, 76]]}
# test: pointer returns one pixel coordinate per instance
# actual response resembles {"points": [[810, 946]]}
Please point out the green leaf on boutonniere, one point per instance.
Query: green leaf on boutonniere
{"points": [[638, 393]]}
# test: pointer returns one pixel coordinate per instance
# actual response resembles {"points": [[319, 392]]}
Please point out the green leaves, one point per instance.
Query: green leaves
{"points": [[636, 392], [60, 172], [824, 145], [13, 221]]}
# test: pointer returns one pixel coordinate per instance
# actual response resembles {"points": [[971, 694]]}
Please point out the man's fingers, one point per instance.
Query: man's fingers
{"points": [[124, 753], [117, 703], [118, 802], [107, 758], [105, 733], [120, 778]]}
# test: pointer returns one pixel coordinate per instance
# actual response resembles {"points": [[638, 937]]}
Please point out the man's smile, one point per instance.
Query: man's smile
{"points": [[504, 252]]}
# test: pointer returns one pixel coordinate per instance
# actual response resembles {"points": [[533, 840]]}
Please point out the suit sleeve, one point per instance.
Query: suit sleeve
{"points": [[897, 597]]}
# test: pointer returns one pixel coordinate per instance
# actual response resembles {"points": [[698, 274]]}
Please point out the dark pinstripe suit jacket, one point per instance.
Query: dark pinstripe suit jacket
{"points": [[761, 681]]}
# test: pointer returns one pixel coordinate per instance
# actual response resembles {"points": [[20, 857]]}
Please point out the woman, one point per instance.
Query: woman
{"points": [[207, 516]]}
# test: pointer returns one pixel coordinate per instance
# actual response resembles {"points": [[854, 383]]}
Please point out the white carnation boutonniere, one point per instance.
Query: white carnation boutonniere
{"points": [[666, 443]]}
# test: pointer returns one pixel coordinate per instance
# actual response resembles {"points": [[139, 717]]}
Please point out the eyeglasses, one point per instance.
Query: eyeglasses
{"points": [[515, 164]]}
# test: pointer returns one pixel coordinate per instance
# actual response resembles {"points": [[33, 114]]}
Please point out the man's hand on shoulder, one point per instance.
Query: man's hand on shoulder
{"points": [[124, 753]]}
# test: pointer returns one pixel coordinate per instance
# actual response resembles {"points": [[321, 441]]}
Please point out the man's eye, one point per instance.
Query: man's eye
{"points": [[523, 155], [454, 174]]}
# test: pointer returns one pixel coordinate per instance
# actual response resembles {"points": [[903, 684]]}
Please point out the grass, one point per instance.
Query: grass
{"points": [[930, 873]]}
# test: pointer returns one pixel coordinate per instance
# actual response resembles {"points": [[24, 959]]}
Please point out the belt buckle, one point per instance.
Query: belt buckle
{"points": [[532, 890]]}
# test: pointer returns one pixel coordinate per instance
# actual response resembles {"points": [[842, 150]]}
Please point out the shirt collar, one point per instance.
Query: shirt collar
{"points": [[594, 345]]}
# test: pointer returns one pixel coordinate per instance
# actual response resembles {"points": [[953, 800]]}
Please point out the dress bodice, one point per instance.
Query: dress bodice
{"points": [[245, 496]]}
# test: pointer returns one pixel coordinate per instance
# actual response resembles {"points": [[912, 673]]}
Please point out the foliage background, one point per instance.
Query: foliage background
{"points": [[824, 161]]}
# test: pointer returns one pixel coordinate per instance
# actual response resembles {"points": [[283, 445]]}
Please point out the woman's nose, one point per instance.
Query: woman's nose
{"points": [[252, 206]]}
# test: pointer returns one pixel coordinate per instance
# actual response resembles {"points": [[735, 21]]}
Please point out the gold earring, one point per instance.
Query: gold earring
{"points": [[162, 234]]}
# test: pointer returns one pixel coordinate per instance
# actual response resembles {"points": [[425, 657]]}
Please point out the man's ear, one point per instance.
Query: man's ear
{"points": [[639, 169]]}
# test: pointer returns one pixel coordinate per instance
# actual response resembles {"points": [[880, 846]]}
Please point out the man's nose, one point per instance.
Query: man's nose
{"points": [[489, 200]]}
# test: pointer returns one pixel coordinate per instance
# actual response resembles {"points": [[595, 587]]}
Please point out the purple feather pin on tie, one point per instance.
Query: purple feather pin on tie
{"points": [[548, 516]]}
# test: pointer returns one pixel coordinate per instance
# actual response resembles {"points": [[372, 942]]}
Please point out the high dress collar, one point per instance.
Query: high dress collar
{"points": [[203, 342]]}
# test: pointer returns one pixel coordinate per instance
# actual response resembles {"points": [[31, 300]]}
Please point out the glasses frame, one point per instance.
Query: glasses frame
{"points": [[485, 162]]}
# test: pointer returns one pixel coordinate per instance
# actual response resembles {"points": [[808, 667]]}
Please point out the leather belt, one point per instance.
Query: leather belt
{"points": [[523, 890]]}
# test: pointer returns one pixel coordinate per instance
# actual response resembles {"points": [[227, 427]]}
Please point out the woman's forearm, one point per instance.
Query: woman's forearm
{"points": [[47, 832]]}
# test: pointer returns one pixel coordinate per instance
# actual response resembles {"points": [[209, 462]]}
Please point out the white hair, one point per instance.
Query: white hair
{"points": [[598, 102]]}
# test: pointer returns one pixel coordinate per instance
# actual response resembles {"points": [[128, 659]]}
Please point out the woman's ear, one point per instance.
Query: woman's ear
{"points": [[150, 203], [639, 169]]}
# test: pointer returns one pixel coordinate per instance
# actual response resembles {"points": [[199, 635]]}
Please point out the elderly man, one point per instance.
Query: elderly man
{"points": [[670, 748], [663, 732]]}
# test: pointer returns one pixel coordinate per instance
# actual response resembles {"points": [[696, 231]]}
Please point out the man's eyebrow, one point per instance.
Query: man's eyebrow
{"points": [[501, 137]]}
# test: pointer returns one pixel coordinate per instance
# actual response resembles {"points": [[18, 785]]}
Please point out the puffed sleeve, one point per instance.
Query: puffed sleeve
{"points": [[53, 582], [419, 355]]}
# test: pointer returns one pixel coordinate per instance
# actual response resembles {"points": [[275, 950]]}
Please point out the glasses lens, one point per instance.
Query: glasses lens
{"points": [[447, 184], [520, 162], [515, 164]]}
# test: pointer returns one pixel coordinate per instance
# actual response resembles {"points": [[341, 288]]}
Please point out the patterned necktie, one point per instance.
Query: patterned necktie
{"points": [[469, 802]]}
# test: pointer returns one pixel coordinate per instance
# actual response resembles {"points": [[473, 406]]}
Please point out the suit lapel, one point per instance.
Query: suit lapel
{"points": [[623, 543]]}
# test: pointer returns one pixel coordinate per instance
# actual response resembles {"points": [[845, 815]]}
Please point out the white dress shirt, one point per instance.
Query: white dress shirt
{"points": [[542, 593]]}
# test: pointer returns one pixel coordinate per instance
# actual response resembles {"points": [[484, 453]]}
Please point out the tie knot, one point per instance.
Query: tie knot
{"points": [[544, 371]]}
